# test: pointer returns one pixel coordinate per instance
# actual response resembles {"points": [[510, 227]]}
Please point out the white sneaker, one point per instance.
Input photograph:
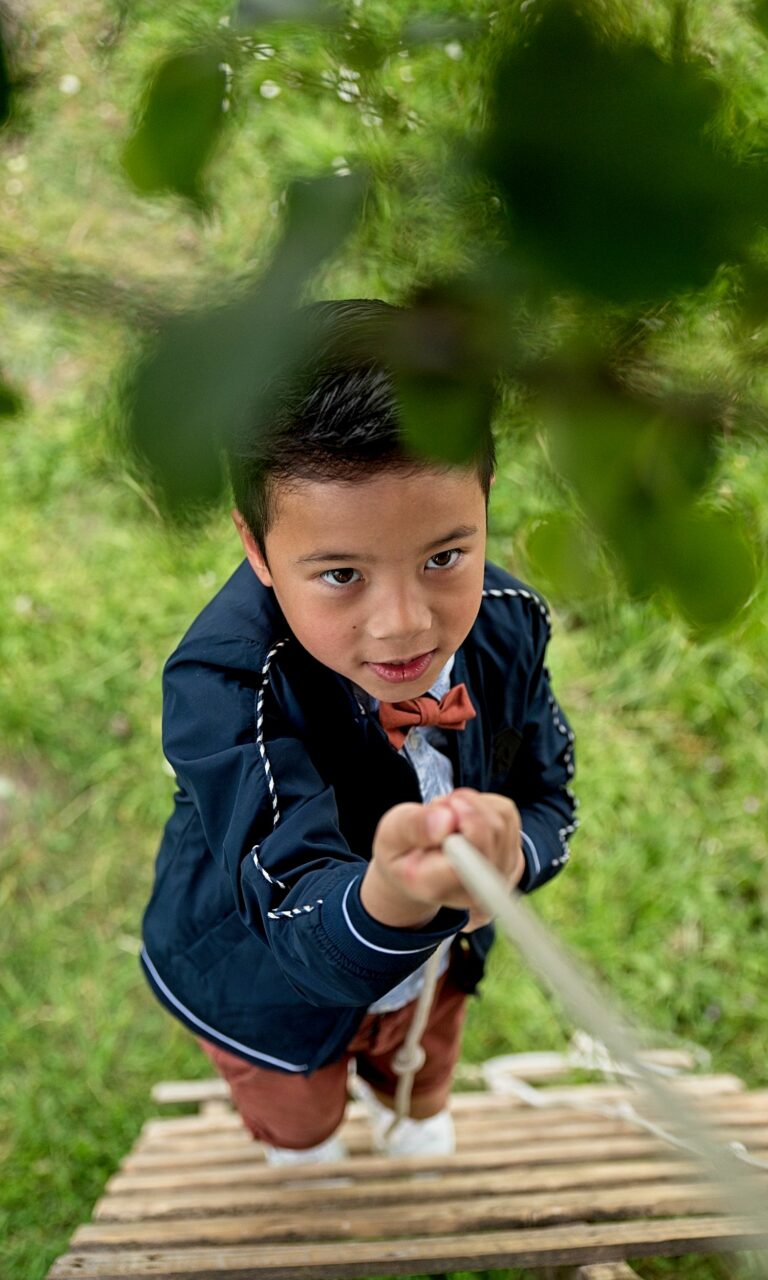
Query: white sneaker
{"points": [[434, 1136], [324, 1153]]}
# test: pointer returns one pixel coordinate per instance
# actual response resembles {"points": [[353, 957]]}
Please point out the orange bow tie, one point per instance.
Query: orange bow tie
{"points": [[451, 712]]}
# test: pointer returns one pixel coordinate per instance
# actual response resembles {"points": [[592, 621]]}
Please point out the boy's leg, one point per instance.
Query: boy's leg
{"points": [[380, 1037], [284, 1110]]}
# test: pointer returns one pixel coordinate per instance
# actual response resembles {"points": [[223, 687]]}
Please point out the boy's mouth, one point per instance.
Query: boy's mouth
{"points": [[404, 670]]}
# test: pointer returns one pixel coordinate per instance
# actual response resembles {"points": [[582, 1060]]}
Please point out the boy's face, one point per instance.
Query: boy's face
{"points": [[379, 579]]}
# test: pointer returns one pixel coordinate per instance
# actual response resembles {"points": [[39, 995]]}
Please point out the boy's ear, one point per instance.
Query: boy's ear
{"points": [[253, 552]]}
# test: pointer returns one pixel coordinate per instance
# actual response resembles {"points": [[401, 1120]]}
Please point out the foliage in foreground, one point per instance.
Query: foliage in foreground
{"points": [[666, 893]]}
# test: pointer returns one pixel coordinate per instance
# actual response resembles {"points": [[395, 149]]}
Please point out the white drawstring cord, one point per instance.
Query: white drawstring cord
{"points": [[410, 1057]]}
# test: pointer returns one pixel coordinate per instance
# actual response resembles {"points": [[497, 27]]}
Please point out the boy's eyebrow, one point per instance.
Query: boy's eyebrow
{"points": [[456, 535]]}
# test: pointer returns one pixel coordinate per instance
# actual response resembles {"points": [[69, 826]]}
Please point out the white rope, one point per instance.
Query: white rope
{"points": [[591, 1008], [410, 1057]]}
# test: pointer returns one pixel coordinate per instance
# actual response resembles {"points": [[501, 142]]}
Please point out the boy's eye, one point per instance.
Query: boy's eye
{"points": [[340, 577], [445, 559]]}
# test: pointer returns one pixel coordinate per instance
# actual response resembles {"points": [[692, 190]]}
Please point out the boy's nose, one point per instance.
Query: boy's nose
{"points": [[399, 616]]}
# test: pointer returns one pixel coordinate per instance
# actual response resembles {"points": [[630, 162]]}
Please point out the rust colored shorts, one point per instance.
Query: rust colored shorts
{"points": [[301, 1111]]}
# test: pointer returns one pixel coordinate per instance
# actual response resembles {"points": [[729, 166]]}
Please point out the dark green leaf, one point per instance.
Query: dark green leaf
{"points": [[760, 14], [11, 402], [564, 558], [608, 161], [364, 49], [179, 126], [205, 373], [443, 418], [635, 467], [5, 81], [443, 362], [709, 567]]}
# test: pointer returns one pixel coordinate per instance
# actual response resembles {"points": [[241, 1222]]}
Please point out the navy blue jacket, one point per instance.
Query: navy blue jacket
{"points": [[255, 936]]}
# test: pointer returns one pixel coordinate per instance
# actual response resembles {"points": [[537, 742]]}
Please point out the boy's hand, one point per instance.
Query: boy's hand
{"points": [[409, 877]]}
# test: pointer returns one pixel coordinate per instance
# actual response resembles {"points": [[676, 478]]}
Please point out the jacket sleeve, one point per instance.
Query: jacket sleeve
{"points": [[539, 779], [271, 823]]}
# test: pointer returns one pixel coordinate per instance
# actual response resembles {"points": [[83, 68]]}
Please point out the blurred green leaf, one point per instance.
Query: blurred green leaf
{"points": [[608, 161], [640, 471], [179, 125], [440, 30], [364, 49], [444, 366], [709, 567], [5, 81], [206, 372], [256, 13], [760, 14], [564, 557], [634, 465], [442, 417], [11, 402]]}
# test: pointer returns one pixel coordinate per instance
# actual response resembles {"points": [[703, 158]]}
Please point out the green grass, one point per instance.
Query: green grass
{"points": [[666, 894]]}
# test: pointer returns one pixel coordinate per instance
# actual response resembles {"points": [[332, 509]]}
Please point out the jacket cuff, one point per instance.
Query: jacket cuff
{"points": [[377, 947], [545, 852]]}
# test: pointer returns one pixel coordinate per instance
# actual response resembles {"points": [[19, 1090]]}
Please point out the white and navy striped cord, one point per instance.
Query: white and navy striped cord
{"points": [[265, 760], [498, 593], [294, 911]]}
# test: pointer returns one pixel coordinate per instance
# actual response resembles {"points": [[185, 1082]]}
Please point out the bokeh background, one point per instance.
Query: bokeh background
{"points": [[575, 197]]}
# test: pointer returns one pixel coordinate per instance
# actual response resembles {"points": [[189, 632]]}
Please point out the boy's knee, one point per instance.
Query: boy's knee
{"points": [[296, 1132]]}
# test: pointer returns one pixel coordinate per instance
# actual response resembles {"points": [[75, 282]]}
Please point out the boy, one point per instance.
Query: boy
{"points": [[301, 884]]}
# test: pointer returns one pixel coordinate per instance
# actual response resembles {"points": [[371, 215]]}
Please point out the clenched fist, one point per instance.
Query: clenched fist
{"points": [[409, 877]]}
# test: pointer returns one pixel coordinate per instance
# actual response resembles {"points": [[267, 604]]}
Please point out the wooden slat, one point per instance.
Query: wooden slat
{"points": [[627, 1201], [552, 1246], [606, 1271], [410, 1218], [738, 1109], [251, 1182], [486, 1154], [529, 1154], [527, 1066]]}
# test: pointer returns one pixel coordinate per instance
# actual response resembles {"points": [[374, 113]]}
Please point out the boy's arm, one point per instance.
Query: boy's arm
{"points": [[540, 775], [271, 823]]}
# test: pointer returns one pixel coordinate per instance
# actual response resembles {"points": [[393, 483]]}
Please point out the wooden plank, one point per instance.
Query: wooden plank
{"points": [[580, 1151], [250, 1183], [491, 1151], [468, 1135], [739, 1109], [691, 1086], [167, 1092], [606, 1271], [197, 1091], [411, 1209], [209, 1219], [527, 1066], [552, 1246]]}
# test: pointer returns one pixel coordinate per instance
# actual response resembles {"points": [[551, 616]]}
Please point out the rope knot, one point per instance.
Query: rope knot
{"points": [[406, 1059]]}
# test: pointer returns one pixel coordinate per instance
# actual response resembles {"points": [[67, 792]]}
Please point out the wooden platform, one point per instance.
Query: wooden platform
{"points": [[526, 1188]]}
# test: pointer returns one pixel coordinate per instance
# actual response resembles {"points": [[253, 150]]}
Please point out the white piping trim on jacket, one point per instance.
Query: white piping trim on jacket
{"points": [[265, 760], [211, 1031], [534, 854], [389, 951]]}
